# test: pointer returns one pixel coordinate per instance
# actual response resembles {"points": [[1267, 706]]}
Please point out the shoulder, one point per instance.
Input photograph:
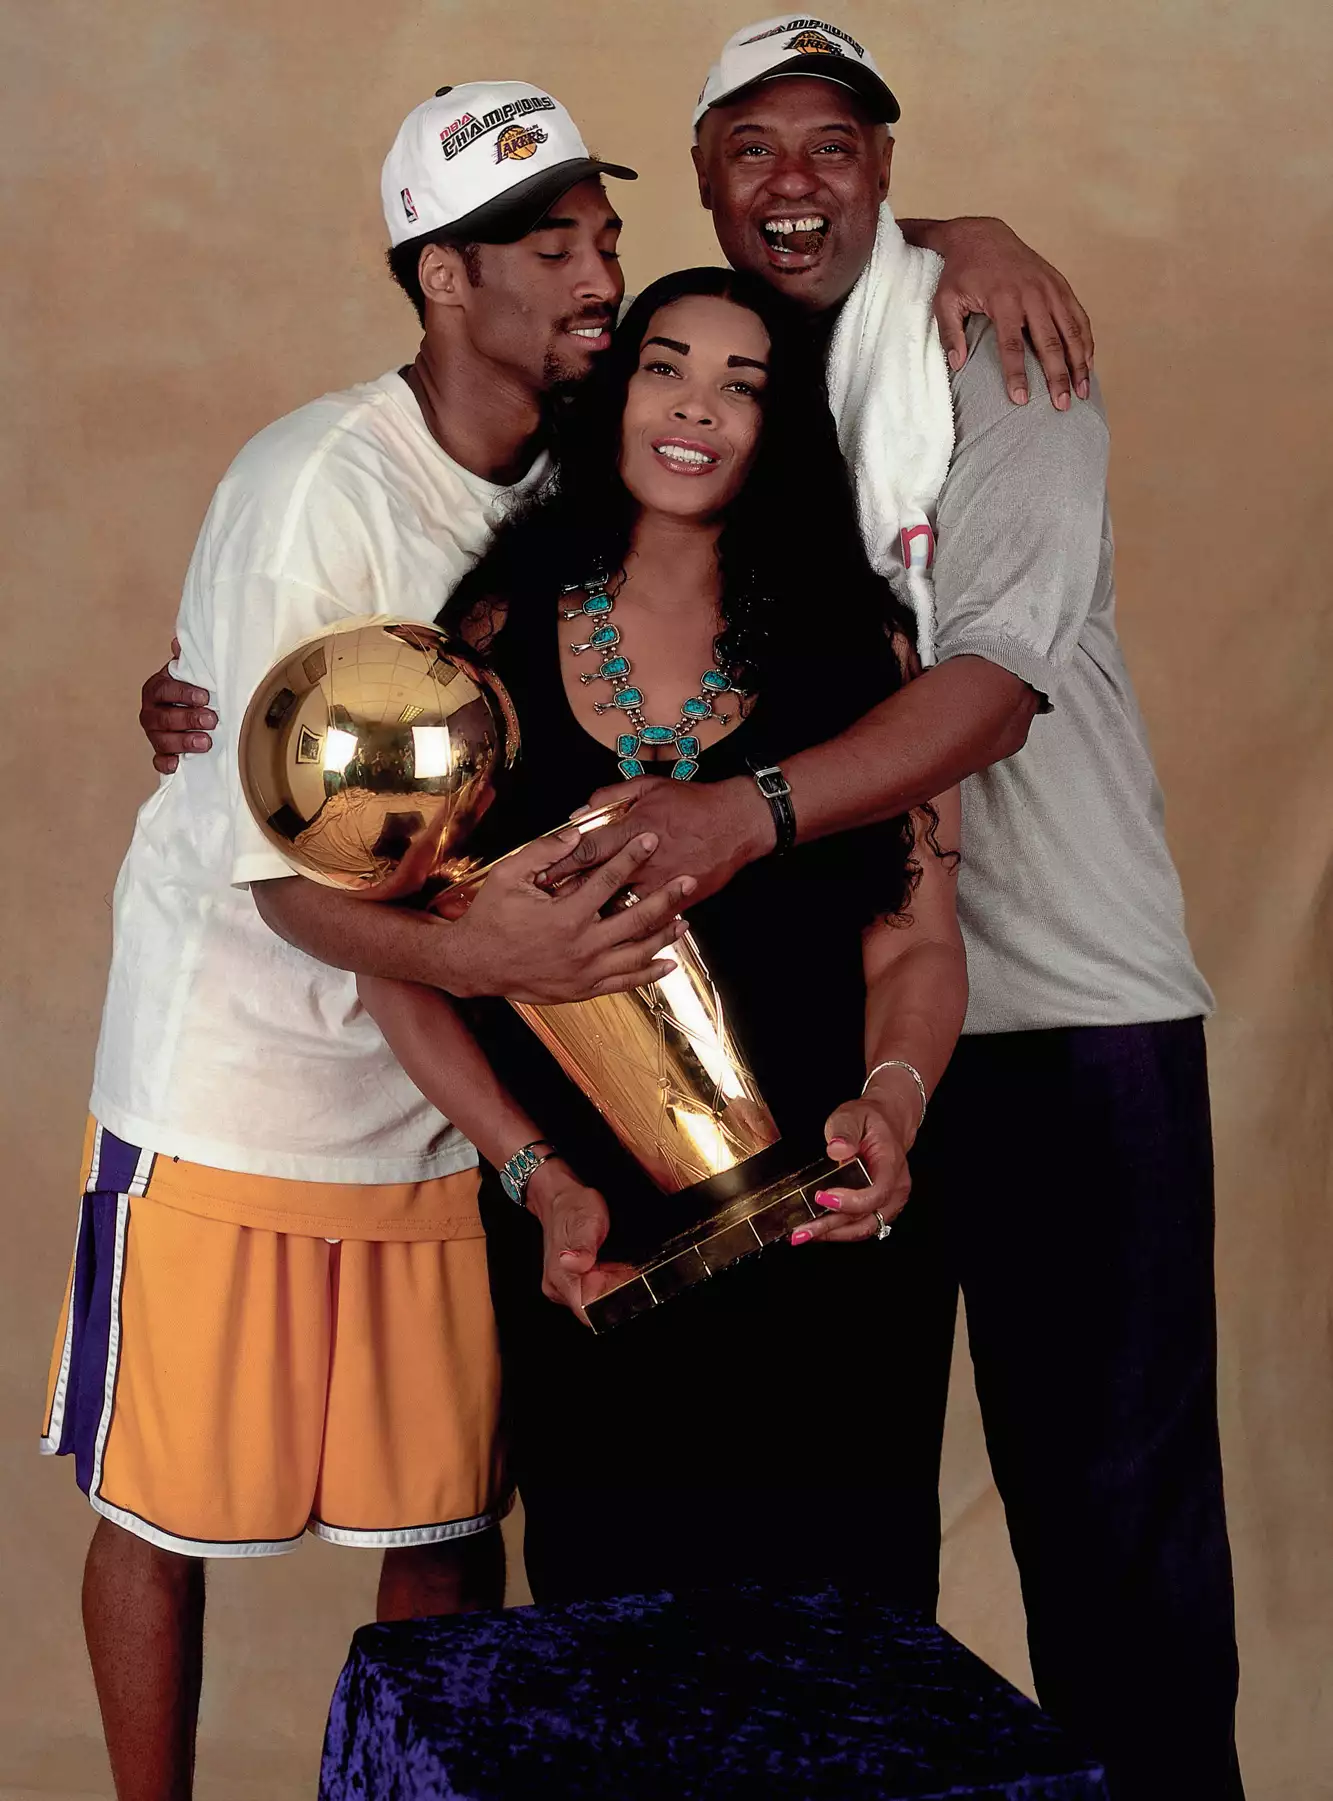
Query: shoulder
{"points": [[318, 438], [1019, 453], [308, 489], [981, 399]]}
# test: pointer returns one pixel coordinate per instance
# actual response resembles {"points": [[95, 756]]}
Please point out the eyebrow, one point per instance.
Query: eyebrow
{"points": [[818, 130], [610, 224], [733, 362]]}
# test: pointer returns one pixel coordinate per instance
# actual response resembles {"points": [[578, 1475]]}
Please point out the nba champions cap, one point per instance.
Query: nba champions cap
{"points": [[486, 159], [796, 46]]}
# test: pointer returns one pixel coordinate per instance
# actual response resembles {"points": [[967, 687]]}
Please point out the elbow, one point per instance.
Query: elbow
{"points": [[371, 990], [1014, 732], [261, 893], [269, 898]]}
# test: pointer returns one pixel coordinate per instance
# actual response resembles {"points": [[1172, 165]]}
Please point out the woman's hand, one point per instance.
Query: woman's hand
{"points": [[574, 1221], [879, 1128]]}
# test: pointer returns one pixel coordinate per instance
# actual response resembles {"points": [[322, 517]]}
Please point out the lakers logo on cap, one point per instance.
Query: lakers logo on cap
{"points": [[518, 142], [813, 43]]}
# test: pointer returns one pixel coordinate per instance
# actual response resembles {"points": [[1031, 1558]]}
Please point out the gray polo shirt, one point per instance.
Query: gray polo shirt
{"points": [[1070, 904]]}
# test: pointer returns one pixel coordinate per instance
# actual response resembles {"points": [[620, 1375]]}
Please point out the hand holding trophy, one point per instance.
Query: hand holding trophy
{"points": [[368, 755]]}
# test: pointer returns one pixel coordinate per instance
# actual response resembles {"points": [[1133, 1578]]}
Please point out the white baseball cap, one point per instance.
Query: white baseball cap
{"points": [[486, 159], [791, 45]]}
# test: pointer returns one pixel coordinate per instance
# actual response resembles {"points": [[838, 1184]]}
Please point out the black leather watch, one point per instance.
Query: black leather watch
{"points": [[776, 790]]}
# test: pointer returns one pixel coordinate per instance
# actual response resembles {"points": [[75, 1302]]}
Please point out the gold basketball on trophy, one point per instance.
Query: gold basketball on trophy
{"points": [[369, 753]]}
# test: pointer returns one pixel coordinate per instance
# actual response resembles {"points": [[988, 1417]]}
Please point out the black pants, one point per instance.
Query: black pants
{"points": [[779, 1423], [1069, 1176], [784, 1421]]}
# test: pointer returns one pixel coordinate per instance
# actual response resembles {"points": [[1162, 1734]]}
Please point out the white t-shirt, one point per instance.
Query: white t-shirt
{"points": [[220, 1043]]}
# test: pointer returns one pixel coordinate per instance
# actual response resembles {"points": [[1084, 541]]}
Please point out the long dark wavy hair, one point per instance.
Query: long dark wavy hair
{"points": [[790, 538], [805, 621]]}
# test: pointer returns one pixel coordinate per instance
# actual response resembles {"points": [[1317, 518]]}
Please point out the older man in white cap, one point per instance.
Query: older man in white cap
{"points": [[1067, 1166]]}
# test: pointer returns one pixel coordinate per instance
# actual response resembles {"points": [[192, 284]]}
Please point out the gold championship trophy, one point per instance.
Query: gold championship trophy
{"points": [[368, 754]]}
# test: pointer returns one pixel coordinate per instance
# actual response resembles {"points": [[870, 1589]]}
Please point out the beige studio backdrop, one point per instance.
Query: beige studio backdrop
{"points": [[192, 247]]}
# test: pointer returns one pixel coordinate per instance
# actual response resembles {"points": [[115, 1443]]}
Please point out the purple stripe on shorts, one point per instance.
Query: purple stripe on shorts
{"points": [[91, 1304], [116, 1164]]}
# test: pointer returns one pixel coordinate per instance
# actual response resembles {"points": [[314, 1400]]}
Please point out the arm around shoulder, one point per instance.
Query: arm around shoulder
{"points": [[989, 270]]}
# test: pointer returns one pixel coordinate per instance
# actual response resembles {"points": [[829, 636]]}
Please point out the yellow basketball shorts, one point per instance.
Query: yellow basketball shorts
{"points": [[224, 1389]]}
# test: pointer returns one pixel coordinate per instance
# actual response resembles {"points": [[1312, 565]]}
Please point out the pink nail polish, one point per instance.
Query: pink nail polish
{"points": [[800, 1237], [823, 1199]]}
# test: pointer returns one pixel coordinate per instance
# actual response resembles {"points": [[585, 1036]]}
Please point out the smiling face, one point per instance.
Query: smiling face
{"points": [[693, 409], [544, 306], [793, 172]]}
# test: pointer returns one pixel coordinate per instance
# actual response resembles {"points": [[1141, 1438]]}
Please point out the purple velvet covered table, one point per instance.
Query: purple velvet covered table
{"points": [[737, 1692]]}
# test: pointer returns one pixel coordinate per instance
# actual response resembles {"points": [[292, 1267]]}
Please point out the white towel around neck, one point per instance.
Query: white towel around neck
{"points": [[888, 385]]}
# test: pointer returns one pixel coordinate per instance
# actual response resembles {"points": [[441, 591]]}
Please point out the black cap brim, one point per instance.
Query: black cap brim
{"points": [[511, 216], [843, 72]]}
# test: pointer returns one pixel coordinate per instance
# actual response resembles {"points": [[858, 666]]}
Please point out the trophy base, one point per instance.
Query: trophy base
{"points": [[735, 1231]]}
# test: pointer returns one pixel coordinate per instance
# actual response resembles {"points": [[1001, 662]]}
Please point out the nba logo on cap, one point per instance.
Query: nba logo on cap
{"points": [[408, 207]]}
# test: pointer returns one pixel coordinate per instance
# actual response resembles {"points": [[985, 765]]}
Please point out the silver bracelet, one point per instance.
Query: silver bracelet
{"points": [[517, 1171], [900, 1063]]}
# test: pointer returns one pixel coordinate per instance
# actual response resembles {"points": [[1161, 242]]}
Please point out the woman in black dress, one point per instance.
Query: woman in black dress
{"points": [[780, 1421]]}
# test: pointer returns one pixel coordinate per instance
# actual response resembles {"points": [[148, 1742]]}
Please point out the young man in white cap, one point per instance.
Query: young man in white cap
{"points": [[1067, 1166], [278, 1317]]}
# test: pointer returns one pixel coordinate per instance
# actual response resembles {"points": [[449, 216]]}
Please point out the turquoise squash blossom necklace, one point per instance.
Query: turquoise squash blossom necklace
{"points": [[598, 606]]}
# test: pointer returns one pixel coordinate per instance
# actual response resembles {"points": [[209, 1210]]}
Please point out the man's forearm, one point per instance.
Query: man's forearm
{"points": [[951, 722], [957, 718], [396, 943], [921, 232], [513, 938]]}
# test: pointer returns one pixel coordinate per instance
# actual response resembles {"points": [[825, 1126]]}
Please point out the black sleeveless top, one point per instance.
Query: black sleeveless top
{"points": [[782, 940]]}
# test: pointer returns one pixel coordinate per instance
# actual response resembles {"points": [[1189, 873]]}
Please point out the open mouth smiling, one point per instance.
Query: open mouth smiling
{"points": [[684, 456], [793, 239]]}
